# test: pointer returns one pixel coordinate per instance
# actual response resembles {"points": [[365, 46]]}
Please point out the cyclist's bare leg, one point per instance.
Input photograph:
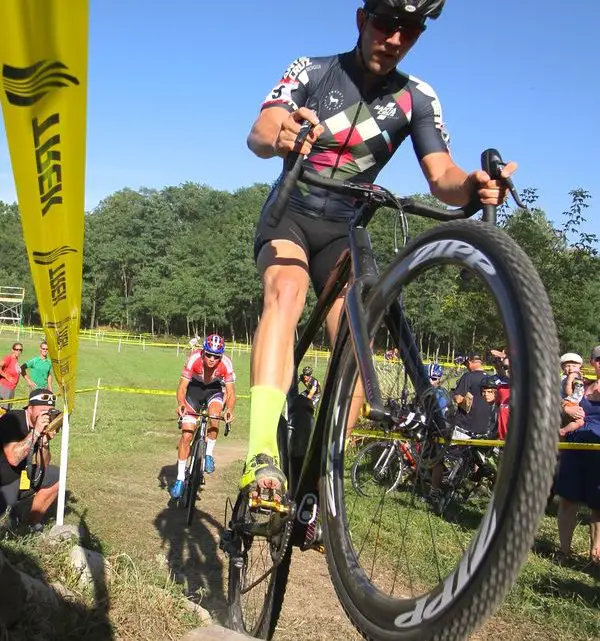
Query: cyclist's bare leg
{"points": [[183, 450], [283, 266], [214, 409], [358, 396], [567, 520], [284, 270], [213, 428]]}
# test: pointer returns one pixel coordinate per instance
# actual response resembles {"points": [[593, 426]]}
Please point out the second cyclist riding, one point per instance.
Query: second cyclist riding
{"points": [[400, 572]]}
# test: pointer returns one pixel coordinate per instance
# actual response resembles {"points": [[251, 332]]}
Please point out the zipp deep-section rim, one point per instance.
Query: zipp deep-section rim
{"points": [[470, 593]]}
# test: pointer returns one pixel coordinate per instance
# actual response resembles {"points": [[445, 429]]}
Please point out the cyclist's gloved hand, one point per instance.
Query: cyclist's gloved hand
{"points": [[181, 411], [490, 192], [289, 130], [229, 416]]}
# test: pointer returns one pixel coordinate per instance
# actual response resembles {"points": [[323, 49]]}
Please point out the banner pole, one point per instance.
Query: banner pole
{"points": [[62, 478]]}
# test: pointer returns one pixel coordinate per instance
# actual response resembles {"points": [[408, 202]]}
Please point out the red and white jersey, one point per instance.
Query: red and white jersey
{"points": [[194, 370]]}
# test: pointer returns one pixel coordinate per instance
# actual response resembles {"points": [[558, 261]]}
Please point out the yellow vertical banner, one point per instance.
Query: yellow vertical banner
{"points": [[43, 57]]}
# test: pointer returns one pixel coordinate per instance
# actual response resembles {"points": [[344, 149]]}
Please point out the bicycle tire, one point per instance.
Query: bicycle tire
{"points": [[394, 476], [469, 594], [262, 624], [195, 478]]}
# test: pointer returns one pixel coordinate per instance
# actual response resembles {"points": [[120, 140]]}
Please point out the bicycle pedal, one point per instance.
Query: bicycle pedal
{"points": [[260, 503], [318, 548]]}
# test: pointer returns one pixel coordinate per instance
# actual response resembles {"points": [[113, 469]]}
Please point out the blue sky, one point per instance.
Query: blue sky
{"points": [[174, 89]]}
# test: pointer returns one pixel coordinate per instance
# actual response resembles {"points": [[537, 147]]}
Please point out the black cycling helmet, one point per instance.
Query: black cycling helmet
{"points": [[307, 371], [419, 9], [489, 382]]}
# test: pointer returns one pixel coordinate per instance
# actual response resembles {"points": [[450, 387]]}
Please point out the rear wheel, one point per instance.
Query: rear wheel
{"points": [[259, 562], [402, 573]]}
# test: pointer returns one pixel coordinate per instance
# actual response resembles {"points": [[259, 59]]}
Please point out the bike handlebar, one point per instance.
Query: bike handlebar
{"points": [[491, 162]]}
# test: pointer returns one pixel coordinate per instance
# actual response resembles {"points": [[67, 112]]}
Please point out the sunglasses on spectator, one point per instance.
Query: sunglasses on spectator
{"points": [[17, 349], [209, 355], [46, 398], [388, 25]]}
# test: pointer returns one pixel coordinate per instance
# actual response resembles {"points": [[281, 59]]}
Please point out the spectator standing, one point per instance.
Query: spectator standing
{"points": [[473, 412], [502, 390], [578, 481], [38, 370], [10, 370]]}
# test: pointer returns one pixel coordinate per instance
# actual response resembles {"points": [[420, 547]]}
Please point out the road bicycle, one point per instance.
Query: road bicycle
{"points": [[194, 467], [400, 572]]}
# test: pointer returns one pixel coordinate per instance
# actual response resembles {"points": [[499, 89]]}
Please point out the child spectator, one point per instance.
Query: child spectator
{"points": [[572, 389]]}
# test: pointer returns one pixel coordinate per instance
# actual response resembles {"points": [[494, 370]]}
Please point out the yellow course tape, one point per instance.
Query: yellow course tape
{"points": [[126, 390], [474, 442]]}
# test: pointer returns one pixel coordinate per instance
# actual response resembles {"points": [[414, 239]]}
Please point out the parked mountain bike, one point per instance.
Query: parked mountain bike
{"points": [[382, 465], [194, 468], [397, 574], [468, 469]]}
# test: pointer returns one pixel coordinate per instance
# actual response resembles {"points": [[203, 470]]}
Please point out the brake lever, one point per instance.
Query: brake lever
{"points": [[305, 129], [492, 164]]}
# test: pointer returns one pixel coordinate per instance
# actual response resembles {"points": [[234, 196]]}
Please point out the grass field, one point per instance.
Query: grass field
{"points": [[118, 475]]}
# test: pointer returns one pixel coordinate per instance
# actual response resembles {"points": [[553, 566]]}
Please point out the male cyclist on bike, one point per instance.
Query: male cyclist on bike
{"points": [[362, 108], [312, 387], [205, 374]]}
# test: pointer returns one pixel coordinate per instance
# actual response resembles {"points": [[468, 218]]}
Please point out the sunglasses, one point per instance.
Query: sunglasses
{"points": [[434, 378], [217, 356], [17, 349], [44, 397], [388, 25], [597, 359]]}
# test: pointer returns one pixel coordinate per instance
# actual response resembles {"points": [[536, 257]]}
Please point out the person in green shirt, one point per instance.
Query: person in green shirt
{"points": [[37, 371]]}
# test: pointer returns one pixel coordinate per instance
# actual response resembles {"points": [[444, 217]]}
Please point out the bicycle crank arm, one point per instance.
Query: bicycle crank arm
{"points": [[377, 413]]}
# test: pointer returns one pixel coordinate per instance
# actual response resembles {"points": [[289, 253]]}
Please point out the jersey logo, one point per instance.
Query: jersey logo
{"points": [[386, 111], [334, 100], [294, 70]]}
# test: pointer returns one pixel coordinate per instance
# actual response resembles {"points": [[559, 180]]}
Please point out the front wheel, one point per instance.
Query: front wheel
{"points": [[194, 477], [401, 572]]}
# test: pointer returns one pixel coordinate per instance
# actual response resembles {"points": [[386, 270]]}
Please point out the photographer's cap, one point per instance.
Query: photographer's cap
{"points": [[41, 396]]}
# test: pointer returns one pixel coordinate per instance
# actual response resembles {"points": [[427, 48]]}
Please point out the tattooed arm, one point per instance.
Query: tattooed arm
{"points": [[17, 451]]}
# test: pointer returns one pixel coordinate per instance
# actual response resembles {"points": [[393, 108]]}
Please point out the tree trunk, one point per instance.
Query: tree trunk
{"points": [[93, 313]]}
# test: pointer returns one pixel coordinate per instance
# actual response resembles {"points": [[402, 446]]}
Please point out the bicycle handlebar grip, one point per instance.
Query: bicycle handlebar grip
{"points": [[492, 164], [292, 166]]}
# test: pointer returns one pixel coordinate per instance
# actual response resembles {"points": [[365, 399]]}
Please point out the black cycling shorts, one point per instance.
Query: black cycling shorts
{"points": [[322, 239]]}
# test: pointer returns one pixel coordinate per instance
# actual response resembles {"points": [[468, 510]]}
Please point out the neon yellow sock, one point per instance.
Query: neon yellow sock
{"points": [[266, 404]]}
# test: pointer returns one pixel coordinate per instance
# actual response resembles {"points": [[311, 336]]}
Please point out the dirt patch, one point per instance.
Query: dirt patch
{"points": [[157, 531]]}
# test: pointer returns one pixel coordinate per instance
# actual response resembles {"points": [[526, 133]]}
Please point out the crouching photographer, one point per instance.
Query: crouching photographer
{"points": [[25, 468]]}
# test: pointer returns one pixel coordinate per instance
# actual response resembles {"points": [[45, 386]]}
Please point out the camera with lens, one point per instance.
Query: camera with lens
{"points": [[56, 421]]}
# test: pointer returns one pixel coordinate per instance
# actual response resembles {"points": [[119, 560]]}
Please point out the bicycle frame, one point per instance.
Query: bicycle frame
{"points": [[360, 261]]}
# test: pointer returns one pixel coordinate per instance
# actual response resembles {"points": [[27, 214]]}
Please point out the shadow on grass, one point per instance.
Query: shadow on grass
{"points": [[562, 587], [30, 610], [192, 551]]}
